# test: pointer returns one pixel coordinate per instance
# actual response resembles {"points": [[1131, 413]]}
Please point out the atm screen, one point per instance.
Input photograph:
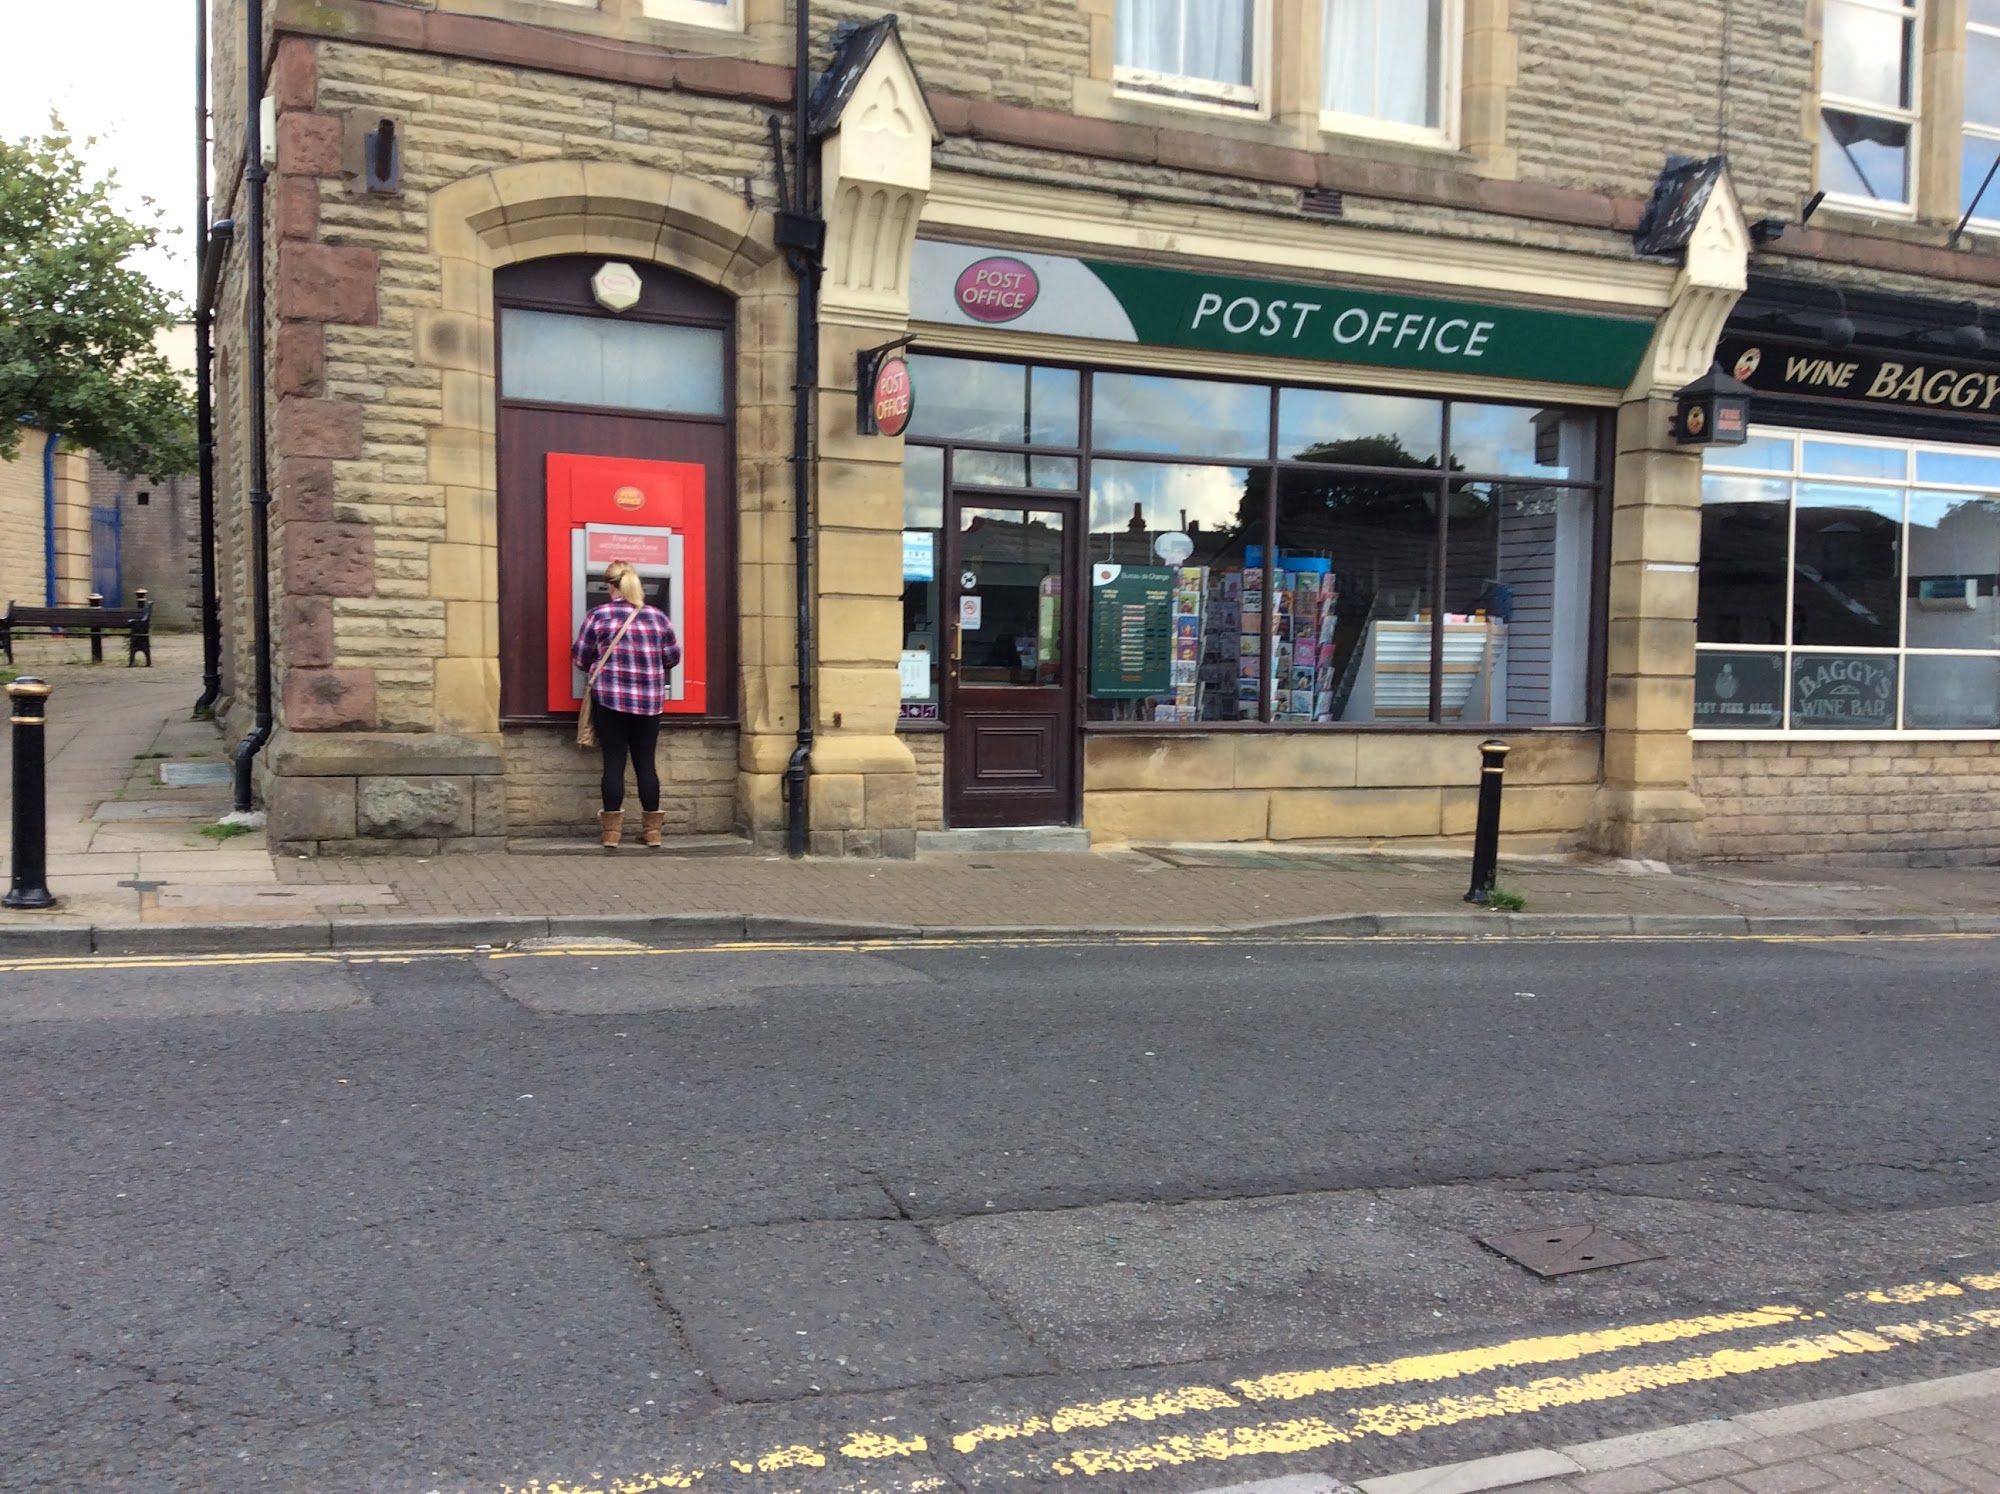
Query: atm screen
{"points": [[659, 593]]}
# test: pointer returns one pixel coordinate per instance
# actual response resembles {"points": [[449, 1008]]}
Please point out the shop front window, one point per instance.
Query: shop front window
{"points": [[1334, 556], [1848, 585]]}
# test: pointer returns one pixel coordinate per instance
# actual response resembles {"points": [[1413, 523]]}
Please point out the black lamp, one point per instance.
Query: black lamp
{"points": [[1713, 411]]}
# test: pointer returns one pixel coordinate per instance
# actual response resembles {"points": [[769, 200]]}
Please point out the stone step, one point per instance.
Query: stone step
{"points": [[1010, 838]]}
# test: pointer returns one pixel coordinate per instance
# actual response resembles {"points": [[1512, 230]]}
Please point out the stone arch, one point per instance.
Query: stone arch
{"points": [[532, 211]]}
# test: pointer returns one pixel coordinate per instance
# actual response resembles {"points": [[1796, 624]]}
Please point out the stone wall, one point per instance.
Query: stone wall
{"points": [[552, 784], [23, 559], [159, 542], [927, 747], [1925, 803], [1368, 786], [1607, 89]]}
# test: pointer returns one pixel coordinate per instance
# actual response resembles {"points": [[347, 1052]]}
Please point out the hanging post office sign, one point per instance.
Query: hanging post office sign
{"points": [[958, 284]]}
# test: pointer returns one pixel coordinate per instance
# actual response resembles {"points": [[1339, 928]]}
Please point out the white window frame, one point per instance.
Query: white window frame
{"points": [[727, 16], [1177, 90], [1450, 74], [1716, 462], [1911, 11], [1989, 215]]}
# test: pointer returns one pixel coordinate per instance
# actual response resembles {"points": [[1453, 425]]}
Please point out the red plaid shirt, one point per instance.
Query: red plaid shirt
{"points": [[634, 678]]}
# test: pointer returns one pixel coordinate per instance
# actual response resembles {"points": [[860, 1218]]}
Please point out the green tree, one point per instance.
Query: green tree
{"points": [[77, 319]]}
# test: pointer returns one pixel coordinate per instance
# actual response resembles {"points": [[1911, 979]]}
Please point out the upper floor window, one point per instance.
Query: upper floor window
{"points": [[1201, 50], [1982, 113], [1386, 66], [1868, 101], [723, 15]]}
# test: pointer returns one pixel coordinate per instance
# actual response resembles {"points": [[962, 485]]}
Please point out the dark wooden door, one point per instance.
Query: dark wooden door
{"points": [[1009, 676]]}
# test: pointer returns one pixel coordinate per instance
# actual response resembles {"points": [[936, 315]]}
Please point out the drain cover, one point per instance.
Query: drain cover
{"points": [[194, 775], [143, 886], [1569, 1247]]}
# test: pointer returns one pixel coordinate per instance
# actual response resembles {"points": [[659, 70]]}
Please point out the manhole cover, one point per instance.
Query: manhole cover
{"points": [[194, 775], [1564, 1248]]}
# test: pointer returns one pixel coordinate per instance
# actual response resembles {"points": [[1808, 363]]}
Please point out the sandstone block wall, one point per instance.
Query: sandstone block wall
{"points": [[1934, 803], [1327, 786], [552, 784]]}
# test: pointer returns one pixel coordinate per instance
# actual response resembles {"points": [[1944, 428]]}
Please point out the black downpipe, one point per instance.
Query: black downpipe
{"points": [[204, 376], [260, 493], [802, 232], [212, 251]]}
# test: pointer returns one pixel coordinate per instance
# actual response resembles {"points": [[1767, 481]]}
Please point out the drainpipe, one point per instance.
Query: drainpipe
{"points": [[801, 232], [208, 254], [260, 495], [49, 520]]}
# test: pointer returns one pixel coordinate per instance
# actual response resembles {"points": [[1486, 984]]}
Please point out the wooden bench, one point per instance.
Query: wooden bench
{"points": [[136, 623]]}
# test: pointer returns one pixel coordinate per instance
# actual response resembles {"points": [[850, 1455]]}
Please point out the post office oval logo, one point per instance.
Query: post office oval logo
{"points": [[629, 498], [996, 289]]}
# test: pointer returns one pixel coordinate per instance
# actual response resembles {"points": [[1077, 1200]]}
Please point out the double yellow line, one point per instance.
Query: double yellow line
{"points": [[1181, 1412]]}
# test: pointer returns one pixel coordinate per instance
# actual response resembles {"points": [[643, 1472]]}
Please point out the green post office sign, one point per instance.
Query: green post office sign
{"points": [[956, 283]]}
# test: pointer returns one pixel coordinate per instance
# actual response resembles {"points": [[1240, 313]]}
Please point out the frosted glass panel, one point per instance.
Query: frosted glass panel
{"points": [[587, 360]]}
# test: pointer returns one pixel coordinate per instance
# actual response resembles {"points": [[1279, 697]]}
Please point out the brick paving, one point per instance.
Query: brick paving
{"points": [[1938, 1437]]}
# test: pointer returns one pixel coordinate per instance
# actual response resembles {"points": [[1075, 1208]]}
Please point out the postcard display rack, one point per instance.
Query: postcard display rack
{"points": [[1219, 641]]}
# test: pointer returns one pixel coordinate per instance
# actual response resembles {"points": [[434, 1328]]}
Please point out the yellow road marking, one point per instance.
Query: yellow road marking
{"points": [[58, 963], [1388, 1419], [1309, 1433]]}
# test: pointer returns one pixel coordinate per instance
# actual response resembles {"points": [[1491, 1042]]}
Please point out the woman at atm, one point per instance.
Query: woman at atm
{"points": [[626, 649]]}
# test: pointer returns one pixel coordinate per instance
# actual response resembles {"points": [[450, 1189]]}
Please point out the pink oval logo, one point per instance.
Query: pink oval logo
{"points": [[997, 289]]}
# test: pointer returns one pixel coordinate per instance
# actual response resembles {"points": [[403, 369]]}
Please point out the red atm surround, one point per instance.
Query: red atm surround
{"points": [[656, 515]]}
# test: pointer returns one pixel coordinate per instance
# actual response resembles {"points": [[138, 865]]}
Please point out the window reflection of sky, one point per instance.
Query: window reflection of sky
{"points": [[1838, 459], [1501, 439], [1179, 417], [1321, 418], [1760, 453], [968, 400], [923, 487], [1959, 468], [1168, 495]]}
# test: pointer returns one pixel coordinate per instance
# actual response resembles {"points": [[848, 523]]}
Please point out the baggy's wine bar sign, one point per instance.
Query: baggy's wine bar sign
{"points": [[958, 284], [1866, 378]]}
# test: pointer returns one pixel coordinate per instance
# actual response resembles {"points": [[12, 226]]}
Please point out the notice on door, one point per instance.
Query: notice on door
{"points": [[972, 613], [1132, 633]]}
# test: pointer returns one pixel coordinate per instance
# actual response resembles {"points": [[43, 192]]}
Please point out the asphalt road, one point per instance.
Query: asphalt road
{"points": [[1136, 1216]]}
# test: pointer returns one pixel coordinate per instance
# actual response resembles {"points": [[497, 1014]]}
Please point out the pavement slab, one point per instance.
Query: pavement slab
{"points": [[116, 735]]}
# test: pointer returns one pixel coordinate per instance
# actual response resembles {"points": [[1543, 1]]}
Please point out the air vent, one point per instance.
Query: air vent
{"points": [[1318, 202]]}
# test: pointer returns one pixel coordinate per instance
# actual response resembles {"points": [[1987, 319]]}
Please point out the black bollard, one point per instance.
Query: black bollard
{"points": [[1486, 835], [96, 633], [30, 714]]}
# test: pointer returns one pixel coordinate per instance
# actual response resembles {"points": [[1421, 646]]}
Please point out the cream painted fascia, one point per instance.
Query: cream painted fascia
{"points": [[1714, 274], [1012, 214]]}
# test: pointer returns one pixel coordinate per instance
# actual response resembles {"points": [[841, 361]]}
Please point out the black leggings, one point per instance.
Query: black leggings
{"points": [[619, 735]]}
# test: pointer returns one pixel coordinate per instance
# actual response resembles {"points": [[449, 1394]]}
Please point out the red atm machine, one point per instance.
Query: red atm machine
{"points": [[650, 515]]}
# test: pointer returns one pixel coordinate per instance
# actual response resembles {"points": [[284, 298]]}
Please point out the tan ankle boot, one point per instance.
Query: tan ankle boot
{"points": [[611, 823], [651, 820]]}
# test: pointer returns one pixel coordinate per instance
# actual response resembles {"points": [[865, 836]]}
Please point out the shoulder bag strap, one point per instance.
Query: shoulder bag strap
{"points": [[605, 657]]}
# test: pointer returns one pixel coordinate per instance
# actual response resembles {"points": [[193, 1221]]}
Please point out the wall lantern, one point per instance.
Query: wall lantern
{"points": [[1713, 411]]}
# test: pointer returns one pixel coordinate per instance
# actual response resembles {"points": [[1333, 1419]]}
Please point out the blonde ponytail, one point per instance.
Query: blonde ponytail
{"points": [[624, 582]]}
